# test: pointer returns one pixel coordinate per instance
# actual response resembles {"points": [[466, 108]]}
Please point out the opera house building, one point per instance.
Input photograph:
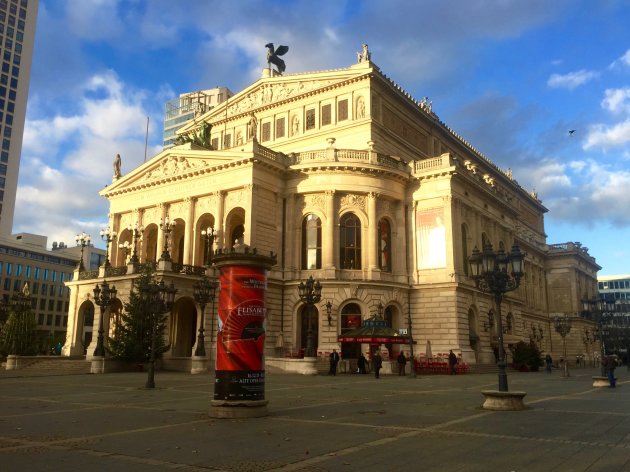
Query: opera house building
{"points": [[344, 177]]}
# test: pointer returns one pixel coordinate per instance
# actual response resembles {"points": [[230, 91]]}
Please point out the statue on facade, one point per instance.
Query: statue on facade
{"points": [[364, 55], [251, 128], [272, 56], [202, 138], [117, 164]]}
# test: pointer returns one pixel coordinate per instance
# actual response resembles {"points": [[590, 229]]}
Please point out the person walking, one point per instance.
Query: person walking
{"points": [[377, 363], [402, 362], [548, 363], [452, 362], [334, 360], [361, 364], [610, 363]]}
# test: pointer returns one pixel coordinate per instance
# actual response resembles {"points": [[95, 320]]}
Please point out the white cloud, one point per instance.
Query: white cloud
{"points": [[623, 61], [606, 137], [572, 80], [617, 100]]}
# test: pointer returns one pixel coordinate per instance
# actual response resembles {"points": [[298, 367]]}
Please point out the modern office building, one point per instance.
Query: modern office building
{"points": [[614, 287], [24, 259], [187, 107], [17, 34], [348, 179]]}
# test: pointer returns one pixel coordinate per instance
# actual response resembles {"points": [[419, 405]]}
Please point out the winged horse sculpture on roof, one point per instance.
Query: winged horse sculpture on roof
{"points": [[272, 56]]}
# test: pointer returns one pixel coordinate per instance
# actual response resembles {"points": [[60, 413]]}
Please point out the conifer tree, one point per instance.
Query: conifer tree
{"points": [[132, 331], [18, 335]]}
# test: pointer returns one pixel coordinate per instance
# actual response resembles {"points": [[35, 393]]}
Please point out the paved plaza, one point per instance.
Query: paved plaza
{"points": [[345, 423]]}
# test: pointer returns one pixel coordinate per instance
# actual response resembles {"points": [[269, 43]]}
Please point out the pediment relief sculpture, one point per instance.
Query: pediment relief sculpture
{"points": [[174, 165]]}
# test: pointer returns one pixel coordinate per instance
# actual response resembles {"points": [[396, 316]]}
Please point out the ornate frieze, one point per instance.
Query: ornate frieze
{"points": [[351, 200], [172, 166], [273, 93], [314, 200]]}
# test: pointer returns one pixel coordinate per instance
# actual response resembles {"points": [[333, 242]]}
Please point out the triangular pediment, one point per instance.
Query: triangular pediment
{"points": [[183, 161], [268, 91]]}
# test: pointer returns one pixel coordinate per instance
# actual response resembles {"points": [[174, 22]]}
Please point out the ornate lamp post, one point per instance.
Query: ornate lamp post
{"points": [[562, 325], [82, 240], [136, 233], [125, 248], [490, 273], [329, 312], [107, 236], [207, 235], [104, 295], [166, 226], [158, 298], [203, 292], [310, 293], [597, 308]]}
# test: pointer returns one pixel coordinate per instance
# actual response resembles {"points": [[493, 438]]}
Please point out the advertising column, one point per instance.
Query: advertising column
{"points": [[239, 388]]}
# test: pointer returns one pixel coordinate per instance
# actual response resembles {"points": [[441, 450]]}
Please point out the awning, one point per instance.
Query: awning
{"points": [[373, 331]]}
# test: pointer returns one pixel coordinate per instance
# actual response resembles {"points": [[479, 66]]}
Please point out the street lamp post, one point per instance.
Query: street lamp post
{"points": [[207, 236], [203, 292], [490, 273], [329, 312], [104, 295], [598, 308], [158, 298], [166, 226], [107, 236], [310, 293], [562, 325], [82, 240], [125, 248], [136, 233]]}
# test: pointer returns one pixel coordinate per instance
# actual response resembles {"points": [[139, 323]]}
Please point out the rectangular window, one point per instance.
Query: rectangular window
{"points": [[51, 305], [9, 268], [44, 289], [227, 141], [42, 304], [35, 288], [36, 275], [49, 320], [280, 128], [28, 272], [342, 110], [7, 284], [266, 132], [310, 119], [17, 285], [52, 290], [40, 319], [45, 274], [326, 115], [215, 143], [59, 305], [18, 270], [54, 275]]}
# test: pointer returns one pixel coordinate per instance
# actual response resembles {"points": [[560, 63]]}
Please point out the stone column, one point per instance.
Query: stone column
{"points": [[328, 237], [372, 229], [293, 241], [160, 234], [189, 230], [219, 224]]}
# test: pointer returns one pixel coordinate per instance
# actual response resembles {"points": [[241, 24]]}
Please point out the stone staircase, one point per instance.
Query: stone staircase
{"points": [[54, 365]]}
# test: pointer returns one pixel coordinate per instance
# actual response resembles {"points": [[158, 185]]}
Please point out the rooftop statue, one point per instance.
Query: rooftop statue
{"points": [[117, 163], [200, 139], [272, 56], [365, 55]]}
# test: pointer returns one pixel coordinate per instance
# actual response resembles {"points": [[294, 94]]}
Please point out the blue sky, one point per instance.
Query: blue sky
{"points": [[510, 76]]}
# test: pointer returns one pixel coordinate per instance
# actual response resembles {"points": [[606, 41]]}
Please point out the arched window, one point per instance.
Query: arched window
{"points": [[350, 242], [385, 245], [311, 242], [237, 235]]}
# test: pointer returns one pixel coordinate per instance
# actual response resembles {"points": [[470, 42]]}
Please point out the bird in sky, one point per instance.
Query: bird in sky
{"points": [[571, 131]]}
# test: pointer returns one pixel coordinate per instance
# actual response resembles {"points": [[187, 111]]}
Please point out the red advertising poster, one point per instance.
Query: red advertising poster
{"points": [[241, 334]]}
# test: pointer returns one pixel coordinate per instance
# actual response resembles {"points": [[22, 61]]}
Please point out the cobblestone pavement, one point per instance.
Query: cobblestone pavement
{"points": [[320, 423]]}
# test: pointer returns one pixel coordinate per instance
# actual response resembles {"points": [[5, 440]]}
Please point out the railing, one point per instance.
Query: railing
{"points": [[188, 269], [88, 274], [433, 163], [115, 271]]}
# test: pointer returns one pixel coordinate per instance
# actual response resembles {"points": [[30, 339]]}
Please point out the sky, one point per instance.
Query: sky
{"points": [[511, 77]]}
